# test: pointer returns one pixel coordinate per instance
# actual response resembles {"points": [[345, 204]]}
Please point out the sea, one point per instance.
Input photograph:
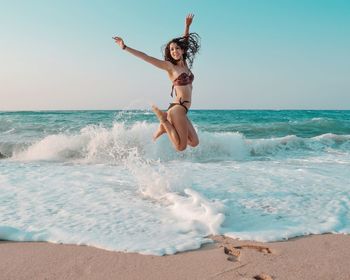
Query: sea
{"points": [[97, 178]]}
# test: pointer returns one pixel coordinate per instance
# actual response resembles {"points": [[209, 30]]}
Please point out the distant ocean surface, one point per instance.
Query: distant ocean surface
{"points": [[97, 178]]}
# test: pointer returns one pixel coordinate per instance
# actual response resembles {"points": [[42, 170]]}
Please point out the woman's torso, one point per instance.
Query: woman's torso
{"points": [[180, 90]]}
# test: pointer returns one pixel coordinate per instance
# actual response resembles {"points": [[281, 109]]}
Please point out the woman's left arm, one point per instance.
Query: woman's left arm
{"points": [[188, 22]]}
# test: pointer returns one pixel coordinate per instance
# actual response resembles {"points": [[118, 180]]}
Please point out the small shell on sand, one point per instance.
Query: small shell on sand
{"points": [[263, 276]]}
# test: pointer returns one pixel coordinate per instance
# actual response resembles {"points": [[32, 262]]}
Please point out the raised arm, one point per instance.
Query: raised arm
{"points": [[162, 64], [188, 22]]}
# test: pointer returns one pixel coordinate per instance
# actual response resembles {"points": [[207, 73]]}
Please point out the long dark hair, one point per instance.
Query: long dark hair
{"points": [[190, 44]]}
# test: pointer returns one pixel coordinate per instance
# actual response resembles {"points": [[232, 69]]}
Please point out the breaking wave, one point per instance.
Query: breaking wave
{"points": [[111, 145]]}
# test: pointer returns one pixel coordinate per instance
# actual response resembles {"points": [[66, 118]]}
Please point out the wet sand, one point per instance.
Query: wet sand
{"points": [[318, 257]]}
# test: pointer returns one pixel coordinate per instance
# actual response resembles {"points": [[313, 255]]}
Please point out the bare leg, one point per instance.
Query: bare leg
{"points": [[160, 131], [193, 140], [177, 130], [174, 137]]}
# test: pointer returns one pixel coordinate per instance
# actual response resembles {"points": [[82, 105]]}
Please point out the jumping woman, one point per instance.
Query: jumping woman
{"points": [[178, 59]]}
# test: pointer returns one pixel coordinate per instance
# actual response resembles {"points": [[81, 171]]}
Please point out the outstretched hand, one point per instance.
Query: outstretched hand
{"points": [[189, 19], [119, 41]]}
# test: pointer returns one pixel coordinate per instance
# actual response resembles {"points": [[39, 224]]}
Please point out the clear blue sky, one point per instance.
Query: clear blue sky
{"points": [[256, 54]]}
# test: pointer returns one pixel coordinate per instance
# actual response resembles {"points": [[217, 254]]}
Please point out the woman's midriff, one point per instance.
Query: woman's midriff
{"points": [[183, 93]]}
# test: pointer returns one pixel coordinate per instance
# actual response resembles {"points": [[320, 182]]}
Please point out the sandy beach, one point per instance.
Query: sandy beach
{"points": [[314, 257]]}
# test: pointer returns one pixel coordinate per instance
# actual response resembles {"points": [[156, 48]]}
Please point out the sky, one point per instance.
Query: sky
{"points": [[255, 54]]}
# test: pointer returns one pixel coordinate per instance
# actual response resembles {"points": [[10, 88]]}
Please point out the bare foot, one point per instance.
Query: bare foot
{"points": [[162, 116], [161, 130]]}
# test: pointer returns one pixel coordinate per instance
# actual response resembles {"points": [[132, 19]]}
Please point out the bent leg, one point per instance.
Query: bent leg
{"points": [[160, 131], [177, 129], [193, 140]]}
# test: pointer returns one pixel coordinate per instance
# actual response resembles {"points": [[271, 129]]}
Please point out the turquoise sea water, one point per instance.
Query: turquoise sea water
{"points": [[97, 178]]}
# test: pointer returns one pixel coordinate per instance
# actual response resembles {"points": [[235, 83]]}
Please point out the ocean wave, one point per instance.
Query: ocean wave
{"points": [[113, 145], [290, 143], [260, 128]]}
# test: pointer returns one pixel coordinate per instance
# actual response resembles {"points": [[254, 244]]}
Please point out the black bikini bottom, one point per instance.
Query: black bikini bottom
{"points": [[181, 103]]}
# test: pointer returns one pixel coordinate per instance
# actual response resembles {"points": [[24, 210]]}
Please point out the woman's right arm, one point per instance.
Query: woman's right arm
{"points": [[162, 64]]}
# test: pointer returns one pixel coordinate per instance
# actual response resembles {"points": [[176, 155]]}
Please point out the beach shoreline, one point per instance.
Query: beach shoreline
{"points": [[322, 256]]}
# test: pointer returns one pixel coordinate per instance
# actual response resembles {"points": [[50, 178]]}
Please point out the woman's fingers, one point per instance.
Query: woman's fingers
{"points": [[119, 41], [189, 18]]}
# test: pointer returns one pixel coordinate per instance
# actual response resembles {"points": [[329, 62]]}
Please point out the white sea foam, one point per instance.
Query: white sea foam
{"points": [[113, 188], [111, 145], [150, 212], [100, 144]]}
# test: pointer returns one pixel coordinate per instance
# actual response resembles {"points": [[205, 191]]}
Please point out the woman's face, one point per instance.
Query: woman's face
{"points": [[175, 51]]}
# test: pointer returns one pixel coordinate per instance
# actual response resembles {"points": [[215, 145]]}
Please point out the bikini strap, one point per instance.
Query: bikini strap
{"points": [[182, 102]]}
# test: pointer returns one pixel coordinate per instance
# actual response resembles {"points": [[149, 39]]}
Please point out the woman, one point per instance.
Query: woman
{"points": [[177, 53]]}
